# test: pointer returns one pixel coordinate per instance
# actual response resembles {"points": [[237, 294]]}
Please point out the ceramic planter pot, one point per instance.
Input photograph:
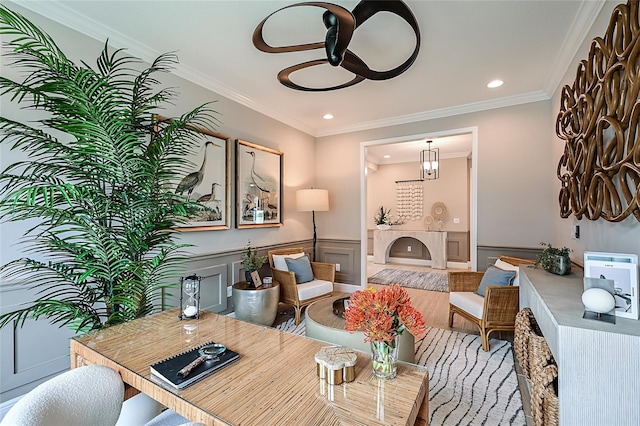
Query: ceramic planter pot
{"points": [[383, 227], [559, 265]]}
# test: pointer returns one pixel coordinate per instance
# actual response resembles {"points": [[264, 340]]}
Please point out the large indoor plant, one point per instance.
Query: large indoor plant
{"points": [[97, 190]]}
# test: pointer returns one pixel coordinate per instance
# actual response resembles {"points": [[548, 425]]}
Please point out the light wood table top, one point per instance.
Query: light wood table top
{"points": [[273, 383]]}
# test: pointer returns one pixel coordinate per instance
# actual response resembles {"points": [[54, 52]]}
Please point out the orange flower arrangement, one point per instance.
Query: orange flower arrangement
{"points": [[383, 314]]}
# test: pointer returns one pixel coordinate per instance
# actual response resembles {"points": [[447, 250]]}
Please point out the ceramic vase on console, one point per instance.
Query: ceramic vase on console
{"points": [[383, 227], [384, 357], [559, 265]]}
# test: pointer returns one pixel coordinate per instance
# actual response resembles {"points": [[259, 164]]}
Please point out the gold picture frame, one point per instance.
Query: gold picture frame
{"points": [[212, 163], [258, 186]]}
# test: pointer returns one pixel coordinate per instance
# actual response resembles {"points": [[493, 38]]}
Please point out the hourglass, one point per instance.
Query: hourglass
{"points": [[190, 297]]}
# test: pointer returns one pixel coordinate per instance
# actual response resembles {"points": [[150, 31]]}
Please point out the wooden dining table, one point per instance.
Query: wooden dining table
{"points": [[275, 381]]}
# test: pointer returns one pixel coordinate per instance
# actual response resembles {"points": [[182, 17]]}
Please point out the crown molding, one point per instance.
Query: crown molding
{"points": [[67, 17], [439, 113], [580, 27]]}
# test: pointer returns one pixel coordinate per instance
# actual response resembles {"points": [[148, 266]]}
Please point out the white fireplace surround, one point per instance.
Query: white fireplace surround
{"points": [[436, 243]]}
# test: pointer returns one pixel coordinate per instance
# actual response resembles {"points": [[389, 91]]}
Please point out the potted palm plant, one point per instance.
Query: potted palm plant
{"points": [[99, 182]]}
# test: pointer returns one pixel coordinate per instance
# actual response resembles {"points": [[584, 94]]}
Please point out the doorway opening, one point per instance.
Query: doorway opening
{"points": [[453, 143]]}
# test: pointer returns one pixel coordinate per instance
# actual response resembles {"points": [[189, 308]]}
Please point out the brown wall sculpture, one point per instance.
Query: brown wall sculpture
{"points": [[599, 122]]}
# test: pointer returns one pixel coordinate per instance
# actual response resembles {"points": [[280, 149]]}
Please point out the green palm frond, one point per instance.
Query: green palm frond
{"points": [[98, 181]]}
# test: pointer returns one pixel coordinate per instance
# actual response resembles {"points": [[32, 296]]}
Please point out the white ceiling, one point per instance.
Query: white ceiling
{"points": [[465, 44]]}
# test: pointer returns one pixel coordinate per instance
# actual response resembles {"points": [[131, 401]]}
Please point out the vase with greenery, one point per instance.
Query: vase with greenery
{"points": [[97, 188], [251, 262], [382, 218], [554, 260]]}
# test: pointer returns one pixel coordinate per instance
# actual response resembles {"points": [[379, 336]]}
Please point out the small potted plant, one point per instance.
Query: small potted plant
{"points": [[554, 260], [251, 262], [256, 305], [383, 219]]}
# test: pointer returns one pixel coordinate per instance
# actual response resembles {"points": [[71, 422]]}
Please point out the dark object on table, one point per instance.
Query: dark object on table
{"points": [[207, 353], [167, 370], [340, 305]]}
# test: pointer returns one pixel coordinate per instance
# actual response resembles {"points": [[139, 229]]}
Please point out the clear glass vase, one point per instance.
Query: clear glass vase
{"points": [[384, 357]]}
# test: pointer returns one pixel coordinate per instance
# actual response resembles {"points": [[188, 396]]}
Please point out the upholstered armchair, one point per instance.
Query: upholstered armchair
{"points": [[90, 395], [288, 266], [87, 395], [497, 309]]}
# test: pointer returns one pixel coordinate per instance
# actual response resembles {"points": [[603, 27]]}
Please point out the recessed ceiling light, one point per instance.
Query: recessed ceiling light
{"points": [[495, 83], [387, 156], [327, 116]]}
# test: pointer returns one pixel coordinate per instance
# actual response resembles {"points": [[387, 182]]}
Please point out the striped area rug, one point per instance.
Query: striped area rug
{"points": [[467, 386], [433, 281]]}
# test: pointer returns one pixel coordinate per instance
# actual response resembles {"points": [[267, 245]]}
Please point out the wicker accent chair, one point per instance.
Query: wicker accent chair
{"points": [[302, 295], [495, 312]]}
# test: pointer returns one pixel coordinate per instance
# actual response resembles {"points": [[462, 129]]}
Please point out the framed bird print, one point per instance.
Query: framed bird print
{"points": [[258, 185], [208, 181]]}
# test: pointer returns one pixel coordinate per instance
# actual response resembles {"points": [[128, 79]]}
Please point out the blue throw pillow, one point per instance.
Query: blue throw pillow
{"points": [[301, 267], [495, 276]]}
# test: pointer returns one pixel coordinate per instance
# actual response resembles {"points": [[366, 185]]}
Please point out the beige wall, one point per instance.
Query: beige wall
{"points": [[514, 205], [450, 189], [599, 235]]}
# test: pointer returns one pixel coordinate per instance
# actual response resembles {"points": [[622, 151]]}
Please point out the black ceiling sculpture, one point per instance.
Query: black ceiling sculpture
{"points": [[341, 24]]}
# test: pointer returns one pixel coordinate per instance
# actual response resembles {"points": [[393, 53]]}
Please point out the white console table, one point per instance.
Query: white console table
{"points": [[435, 241], [598, 362]]}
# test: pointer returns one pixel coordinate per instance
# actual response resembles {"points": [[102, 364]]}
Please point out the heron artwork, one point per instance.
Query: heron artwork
{"points": [[193, 179]]}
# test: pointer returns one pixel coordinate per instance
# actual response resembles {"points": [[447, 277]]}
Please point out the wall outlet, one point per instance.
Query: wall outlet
{"points": [[408, 248], [456, 220], [337, 267], [575, 232], [229, 291]]}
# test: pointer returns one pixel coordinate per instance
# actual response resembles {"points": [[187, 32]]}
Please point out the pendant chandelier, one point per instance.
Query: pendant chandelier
{"points": [[429, 163]]}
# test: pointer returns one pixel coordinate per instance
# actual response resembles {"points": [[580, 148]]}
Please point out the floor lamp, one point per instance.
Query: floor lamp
{"points": [[313, 200]]}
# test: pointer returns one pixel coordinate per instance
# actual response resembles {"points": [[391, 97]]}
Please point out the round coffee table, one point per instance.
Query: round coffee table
{"points": [[322, 324]]}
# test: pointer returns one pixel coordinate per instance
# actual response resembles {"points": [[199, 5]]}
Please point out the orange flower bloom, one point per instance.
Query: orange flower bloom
{"points": [[383, 314]]}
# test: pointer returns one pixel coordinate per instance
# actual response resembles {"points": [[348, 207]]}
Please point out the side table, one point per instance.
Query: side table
{"points": [[256, 305]]}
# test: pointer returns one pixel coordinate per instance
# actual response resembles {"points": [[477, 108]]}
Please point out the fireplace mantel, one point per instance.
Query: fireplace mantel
{"points": [[435, 241]]}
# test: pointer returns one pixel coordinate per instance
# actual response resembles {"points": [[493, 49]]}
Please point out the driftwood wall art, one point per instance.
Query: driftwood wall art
{"points": [[599, 121]]}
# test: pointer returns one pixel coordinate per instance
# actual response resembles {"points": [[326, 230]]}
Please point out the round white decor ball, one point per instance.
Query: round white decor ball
{"points": [[598, 300], [190, 311]]}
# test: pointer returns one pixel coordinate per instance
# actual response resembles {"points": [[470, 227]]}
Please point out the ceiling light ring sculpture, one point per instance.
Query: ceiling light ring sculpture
{"points": [[283, 76], [340, 24]]}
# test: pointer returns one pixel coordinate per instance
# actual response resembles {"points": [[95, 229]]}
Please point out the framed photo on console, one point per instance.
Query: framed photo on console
{"points": [[258, 185], [623, 270], [208, 181]]}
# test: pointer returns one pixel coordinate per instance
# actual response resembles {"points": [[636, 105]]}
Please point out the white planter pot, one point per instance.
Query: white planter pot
{"points": [[383, 227]]}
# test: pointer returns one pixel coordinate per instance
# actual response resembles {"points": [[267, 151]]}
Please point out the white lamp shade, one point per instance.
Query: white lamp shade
{"points": [[312, 200]]}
